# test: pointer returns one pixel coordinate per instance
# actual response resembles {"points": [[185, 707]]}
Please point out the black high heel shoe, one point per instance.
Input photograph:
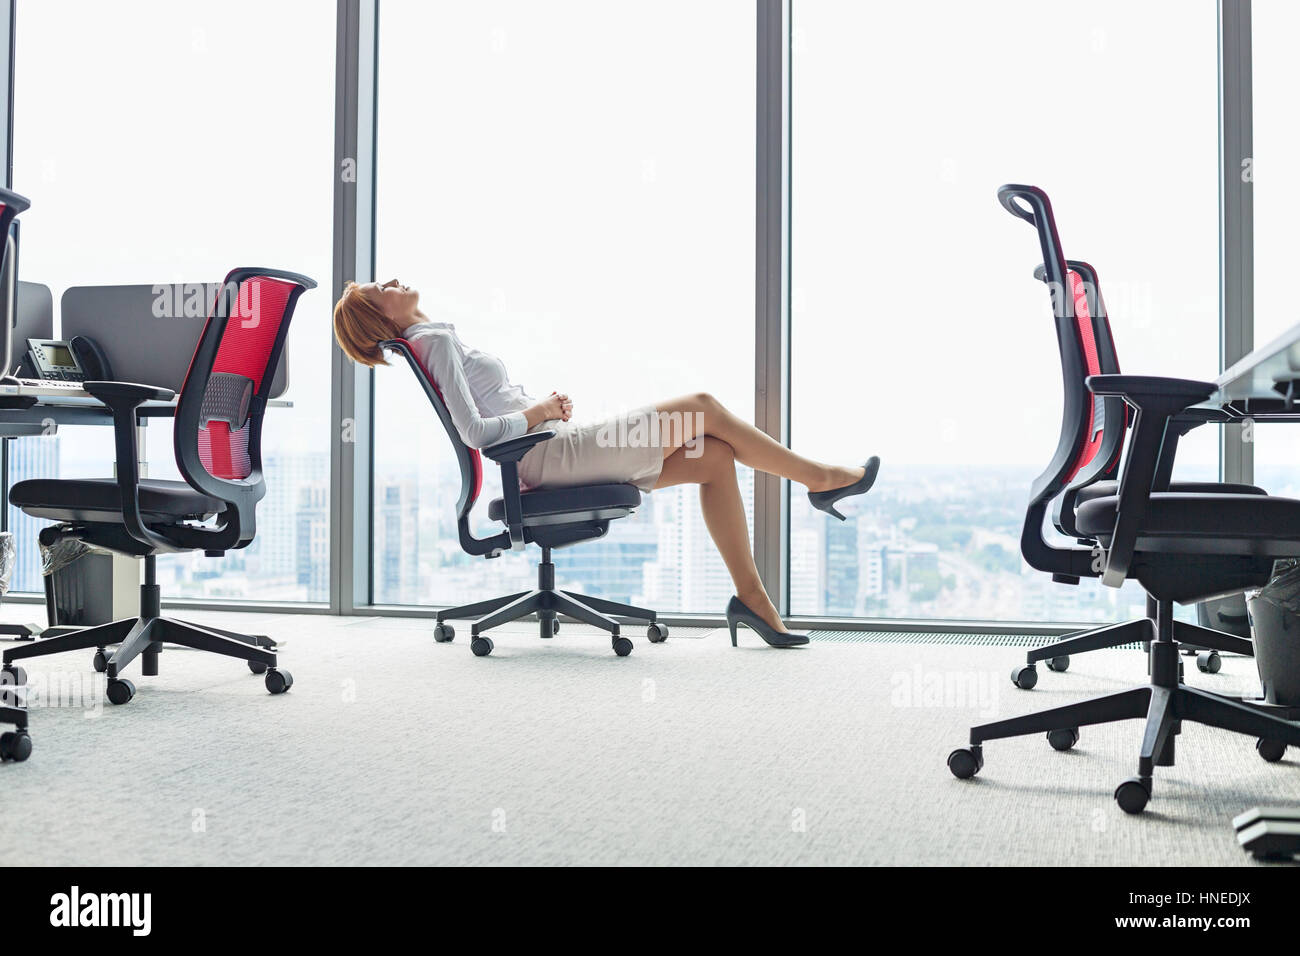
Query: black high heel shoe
{"points": [[738, 613], [825, 500]]}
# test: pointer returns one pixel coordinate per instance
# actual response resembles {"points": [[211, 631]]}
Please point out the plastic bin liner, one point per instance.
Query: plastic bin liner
{"points": [[55, 557], [8, 558], [1275, 617]]}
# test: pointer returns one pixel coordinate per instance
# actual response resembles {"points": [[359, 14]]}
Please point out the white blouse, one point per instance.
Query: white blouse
{"points": [[485, 406]]}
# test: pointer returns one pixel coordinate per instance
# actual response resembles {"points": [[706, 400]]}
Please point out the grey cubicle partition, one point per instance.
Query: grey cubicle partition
{"points": [[35, 315], [148, 332]]}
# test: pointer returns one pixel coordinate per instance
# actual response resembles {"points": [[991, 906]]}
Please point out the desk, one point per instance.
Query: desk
{"points": [[22, 415], [1257, 386], [19, 419]]}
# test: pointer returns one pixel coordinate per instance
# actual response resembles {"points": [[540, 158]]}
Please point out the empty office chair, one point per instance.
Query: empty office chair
{"points": [[555, 518], [1179, 546], [218, 442], [15, 744], [1095, 469]]}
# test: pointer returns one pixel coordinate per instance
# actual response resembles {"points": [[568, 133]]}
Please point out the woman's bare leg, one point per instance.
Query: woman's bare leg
{"points": [[684, 419], [714, 470]]}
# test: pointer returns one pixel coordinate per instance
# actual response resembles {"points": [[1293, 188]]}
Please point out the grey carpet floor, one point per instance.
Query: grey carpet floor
{"points": [[393, 749]]}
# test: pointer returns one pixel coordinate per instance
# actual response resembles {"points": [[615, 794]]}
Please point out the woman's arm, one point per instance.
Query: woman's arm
{"points": [[443, 364]]}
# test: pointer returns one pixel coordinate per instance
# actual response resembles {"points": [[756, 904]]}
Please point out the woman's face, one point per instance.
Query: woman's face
{"points": [[398, 302]]}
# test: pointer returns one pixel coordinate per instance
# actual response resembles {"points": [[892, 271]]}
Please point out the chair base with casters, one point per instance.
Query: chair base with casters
{"points": [[144, 637], [1204, 642], [1164, 703], [547, 602]]}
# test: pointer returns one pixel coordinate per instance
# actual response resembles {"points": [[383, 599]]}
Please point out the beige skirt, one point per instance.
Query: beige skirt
{"points": [[622, 449]]}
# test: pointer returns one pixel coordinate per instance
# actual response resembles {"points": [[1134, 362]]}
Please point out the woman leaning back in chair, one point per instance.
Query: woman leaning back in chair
{"points": [[692, 439]]}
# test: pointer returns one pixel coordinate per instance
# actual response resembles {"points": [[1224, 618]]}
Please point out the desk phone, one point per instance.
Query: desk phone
{"points": [[53, 360]]}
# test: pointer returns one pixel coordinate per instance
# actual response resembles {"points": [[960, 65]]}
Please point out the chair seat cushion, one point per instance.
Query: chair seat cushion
{"points": [[578, 500], [170, 499], [1230, 517], [1105, 489]]}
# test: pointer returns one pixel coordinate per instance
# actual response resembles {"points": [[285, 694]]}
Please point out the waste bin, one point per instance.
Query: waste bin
{"points": [[78, 583], [1275, 617]]}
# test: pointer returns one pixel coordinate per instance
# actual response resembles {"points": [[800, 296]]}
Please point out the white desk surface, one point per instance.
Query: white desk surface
{"points": [[79, 397], [1257, 374]]}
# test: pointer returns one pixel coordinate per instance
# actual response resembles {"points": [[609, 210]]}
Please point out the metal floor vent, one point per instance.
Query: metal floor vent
{"points": [[934, 637]]}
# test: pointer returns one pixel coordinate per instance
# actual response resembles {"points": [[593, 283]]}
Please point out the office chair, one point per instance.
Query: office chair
{"points": [[1097, 465], [554, 518], [218, 444], [1179, 546], [15, 744]]}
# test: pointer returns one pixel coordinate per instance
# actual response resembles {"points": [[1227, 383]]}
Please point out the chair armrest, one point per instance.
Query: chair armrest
{"points": [[516, 448], [1143, 391], [1158, 402], [123, 398], [507, 455], [127, 394]]}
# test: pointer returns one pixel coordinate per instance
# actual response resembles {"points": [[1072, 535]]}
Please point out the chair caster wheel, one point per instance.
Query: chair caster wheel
{"points": [[99, 661], [481, 646], [555, 626], [278, 681], [1132, 795], [622, 646], [1063, 739], [120, 691], [257, 667], [657, 633], [1209, 662], [11, 678], [1270, 750], [1059, 664], [547, 628], [15, 746], [965, 762], [1025, 676], [443, 633]]}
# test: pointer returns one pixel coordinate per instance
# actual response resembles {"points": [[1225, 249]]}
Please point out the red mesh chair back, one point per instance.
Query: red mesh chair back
{"points": [[1093, 423], [218, 431], [1093, 428]]}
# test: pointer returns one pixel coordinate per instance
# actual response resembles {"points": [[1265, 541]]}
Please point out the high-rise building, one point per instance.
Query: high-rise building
{"points": [[36, 457], [613, 567], [273, 554], [688, 572], [313, 540], [397, 541], [840, 561], [806, 591]]}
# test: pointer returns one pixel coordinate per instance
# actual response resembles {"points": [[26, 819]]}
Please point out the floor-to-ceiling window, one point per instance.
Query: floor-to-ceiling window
{"points": [[166, 142], [572, 185], [918, 332], [1275, 26]]}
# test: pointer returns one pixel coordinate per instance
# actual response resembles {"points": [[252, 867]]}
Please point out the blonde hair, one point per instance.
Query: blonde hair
{"points": [[359, 327]]}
